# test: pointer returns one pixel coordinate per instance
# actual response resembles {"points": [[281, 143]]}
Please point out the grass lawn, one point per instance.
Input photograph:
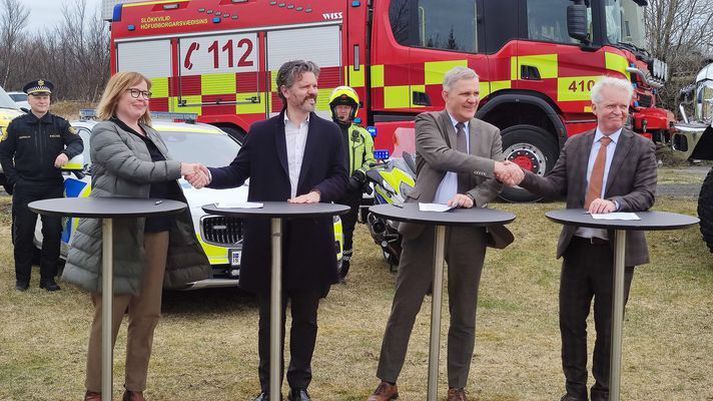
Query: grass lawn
{"points": [[205, 347]]}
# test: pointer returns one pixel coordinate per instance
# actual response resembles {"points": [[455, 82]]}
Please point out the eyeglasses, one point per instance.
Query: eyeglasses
{"points": [[135, 93]]}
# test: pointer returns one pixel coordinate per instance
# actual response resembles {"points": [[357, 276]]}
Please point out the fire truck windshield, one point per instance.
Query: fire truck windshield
{"points": [[547, 21], [624, 22]]}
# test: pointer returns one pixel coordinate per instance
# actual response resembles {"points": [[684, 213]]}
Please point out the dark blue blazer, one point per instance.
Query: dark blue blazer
{"points": [[309, 253]]}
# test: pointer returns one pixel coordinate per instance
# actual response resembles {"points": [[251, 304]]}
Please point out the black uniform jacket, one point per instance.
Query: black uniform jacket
{"points": [[30, 146]]}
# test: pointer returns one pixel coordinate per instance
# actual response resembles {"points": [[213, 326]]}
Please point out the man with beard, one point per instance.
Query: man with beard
{"points": [[294, 156], [359, 147]]}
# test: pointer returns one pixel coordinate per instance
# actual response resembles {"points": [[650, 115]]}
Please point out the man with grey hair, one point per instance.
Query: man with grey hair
{"points": [[297, 157], [604, 170], [459, 162]]}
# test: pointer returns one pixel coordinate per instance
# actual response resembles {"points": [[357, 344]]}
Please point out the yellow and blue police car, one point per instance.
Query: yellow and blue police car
{"points": [[220, 236]]}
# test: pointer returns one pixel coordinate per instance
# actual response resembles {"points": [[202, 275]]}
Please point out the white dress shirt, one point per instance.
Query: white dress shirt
{"points": [[448, 188], [295, 140], [596, 145]]}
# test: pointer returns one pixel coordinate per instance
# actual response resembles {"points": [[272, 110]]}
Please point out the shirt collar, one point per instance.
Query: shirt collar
{"points": [[614, 137], [455, 122], [287, 119]]}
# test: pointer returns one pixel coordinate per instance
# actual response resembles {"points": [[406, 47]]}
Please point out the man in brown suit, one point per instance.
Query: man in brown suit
{"points": [[457, 160], [604, 170]]}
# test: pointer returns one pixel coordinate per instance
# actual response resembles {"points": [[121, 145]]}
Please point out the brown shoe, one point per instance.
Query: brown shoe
{"points": [[385, 392], [133, 396], [457, 394], [92, 396]]}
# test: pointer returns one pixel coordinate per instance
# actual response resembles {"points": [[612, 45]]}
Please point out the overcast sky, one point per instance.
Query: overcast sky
{"points": [[47, 12]]}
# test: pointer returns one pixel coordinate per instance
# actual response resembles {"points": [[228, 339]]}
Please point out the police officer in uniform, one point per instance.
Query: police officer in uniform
{"points": [[359, 151], [32, 151]]}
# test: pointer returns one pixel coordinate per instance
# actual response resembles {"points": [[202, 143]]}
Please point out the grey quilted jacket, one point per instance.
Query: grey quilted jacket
{"points": [[122, 167]]}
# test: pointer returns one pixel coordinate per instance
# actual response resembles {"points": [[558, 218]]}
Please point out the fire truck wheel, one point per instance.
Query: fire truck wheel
{"points": [[705, 209], [235, 132], [533, 149]]}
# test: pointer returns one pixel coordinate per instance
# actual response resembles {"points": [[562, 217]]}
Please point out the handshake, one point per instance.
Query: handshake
{"points": [[196, 174], [508, 173]]}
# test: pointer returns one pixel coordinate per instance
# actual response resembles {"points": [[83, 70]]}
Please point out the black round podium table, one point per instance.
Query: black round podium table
{"points": [[106, 209], [409, 212], [276, 212], [647, 221]]}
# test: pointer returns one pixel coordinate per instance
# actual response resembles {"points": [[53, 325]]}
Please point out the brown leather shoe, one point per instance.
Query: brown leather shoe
{"points": [[92, 396], [133, 396], [385, 392], [457, 394]]}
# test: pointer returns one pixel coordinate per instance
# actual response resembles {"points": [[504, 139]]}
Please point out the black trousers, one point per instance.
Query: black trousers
{"points": [[303, 336], [353, 200], [24, 221], [587, 273]]}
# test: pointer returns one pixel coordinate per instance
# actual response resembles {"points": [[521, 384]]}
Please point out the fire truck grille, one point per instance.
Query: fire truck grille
{"points": [[645, 101], [221, 230]]}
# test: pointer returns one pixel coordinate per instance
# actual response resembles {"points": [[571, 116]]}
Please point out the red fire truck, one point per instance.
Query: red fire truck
{"points": [[537, 61]]}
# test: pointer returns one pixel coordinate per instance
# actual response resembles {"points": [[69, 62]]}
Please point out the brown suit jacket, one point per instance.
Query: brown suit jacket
{"points": [[435, 156], [631, 183]]}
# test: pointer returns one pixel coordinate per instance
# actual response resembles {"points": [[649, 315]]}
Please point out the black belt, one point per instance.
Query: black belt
{"points": [[591, 241]]}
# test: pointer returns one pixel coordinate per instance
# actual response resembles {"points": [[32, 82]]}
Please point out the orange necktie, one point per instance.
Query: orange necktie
{"points": [[594, 190]]}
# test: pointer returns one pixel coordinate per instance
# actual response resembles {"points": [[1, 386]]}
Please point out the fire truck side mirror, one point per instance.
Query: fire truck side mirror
{"points": [[577, 22]]}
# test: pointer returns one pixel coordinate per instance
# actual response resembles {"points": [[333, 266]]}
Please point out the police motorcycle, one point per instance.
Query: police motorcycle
{"points": [[391, 180]]}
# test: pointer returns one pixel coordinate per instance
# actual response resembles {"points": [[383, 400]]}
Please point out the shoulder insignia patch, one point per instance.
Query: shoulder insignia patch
{"points": [[72, 130]]}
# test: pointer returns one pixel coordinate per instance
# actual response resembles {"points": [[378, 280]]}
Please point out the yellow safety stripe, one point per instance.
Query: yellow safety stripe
{"points": [[217, 84], [435, 70], [618, 63], [356, 78], [546, 64]]}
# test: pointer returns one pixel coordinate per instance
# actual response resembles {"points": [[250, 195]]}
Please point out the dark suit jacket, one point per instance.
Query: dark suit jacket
{"points": [[435, 156], [309, 255], [631, 182]]}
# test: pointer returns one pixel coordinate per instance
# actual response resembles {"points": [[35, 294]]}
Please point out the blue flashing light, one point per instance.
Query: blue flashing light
{"points": [[371, 130], [357, 120], [356, 3], [117, 13], [381, 154], [216, 20], [636, 103], [131, 27]]}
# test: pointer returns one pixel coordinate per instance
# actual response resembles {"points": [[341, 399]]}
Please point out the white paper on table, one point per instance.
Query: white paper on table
{"points": [[433, 207], [238, 205], [616, 216]]}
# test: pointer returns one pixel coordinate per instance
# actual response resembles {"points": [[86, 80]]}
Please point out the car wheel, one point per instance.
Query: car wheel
{"points": [[533, 149], [705, 209]]}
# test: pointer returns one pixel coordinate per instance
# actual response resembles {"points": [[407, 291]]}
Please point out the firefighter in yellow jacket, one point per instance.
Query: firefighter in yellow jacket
{"points": [[359, 151]]}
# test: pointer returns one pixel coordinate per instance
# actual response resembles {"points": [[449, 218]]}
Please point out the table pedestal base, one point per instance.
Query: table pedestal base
{"points": [[617, 316], [107, 308], [436, 302], [276, 309]]}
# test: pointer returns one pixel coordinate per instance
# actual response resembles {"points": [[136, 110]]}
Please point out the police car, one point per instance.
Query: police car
{"points": [[8, 111], [220, 236]]}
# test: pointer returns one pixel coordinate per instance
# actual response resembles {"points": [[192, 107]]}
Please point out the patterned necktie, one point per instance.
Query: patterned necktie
{"points": [[462, 146], [596, 180]]}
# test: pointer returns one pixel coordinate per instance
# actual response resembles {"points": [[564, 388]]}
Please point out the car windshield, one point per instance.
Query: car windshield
{"points": [[625, 22], [212, 150], [18, 97], [6, 101]]}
